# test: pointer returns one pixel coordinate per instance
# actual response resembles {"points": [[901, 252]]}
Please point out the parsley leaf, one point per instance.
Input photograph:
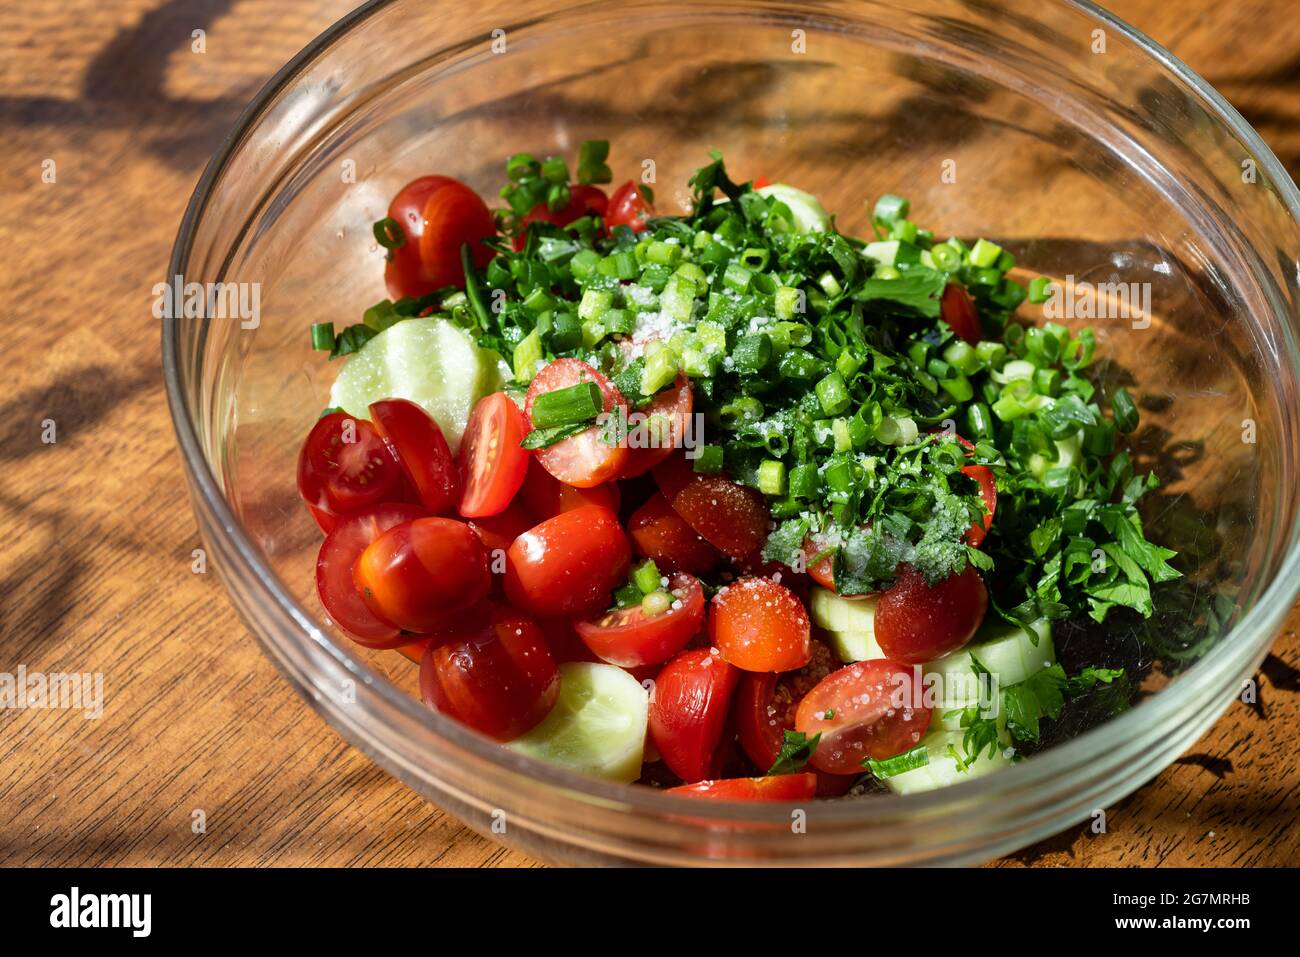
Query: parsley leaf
{"points": [[917, 757], [796, 750]]}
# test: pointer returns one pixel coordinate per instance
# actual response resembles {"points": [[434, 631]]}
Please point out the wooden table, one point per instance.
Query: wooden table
{"points": [[96, 571]]}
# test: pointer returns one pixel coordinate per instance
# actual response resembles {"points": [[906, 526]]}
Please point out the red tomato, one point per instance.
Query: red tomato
{"points": [[494, 674], [325, 521], [870, 709], [334, 583], [438, 215], [345, 466], [918, 622], [569, 564], [957, 308], [582, 460], [780, 787], [760, 625], [627, 207], [421, 450], [583, 201], [492, 465], [546, 496], [760, 181], [630, 638], [562, 638], [989, 492], [653, 439], [415, 650], [419, 575], [499, 531], [766, 704], [660, 533], [688, 712], [733, 518], [822, 571], [673, 474]]}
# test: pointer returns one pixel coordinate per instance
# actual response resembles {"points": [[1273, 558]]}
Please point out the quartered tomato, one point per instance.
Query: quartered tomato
{"points": [[569, 564], [666, 418], [918, 622], [628, 207], [957, 308], [546, 496], [422, 452], [688, 712], [437, 215], [582, 460], [732, 517], [760, 625], [421, 574], [630, 638], [492, 465], [583, 201], [779, 787], [334, 566], [659, 533], [345, 466], [493, 673], [869, 709]]}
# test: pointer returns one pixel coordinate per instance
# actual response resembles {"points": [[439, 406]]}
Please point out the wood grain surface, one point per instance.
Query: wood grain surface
{"points": [[95, 572]]}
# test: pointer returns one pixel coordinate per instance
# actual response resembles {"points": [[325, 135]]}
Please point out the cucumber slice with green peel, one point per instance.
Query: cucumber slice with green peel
{"points": [[809, 214], [1001, 648], [851, 646], [942, 771], [834, 613], [598, 724], [431, 361]]}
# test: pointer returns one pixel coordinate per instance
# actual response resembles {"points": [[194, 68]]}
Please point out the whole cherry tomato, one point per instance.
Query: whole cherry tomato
{"points": [[918, 622], [437, 215]]}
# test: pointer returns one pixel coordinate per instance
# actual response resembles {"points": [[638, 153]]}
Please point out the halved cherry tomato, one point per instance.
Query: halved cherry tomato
{"points": [[760, 625], [546, 496], [989, 492], [334, 583], [822, 570], [766, 704], [562, 638], [653, 438], [582, 460], [628, 207], [918, 622], [499, 531], [325, 521], [630, 638], [661, 534], [494, 673], [869, 709], [779, 787], [733, 518], [672, 475], [957, 308], [422, 451], [437, 215], [583, 201], [492, 465], [569, 564], [345, 466], [688, 712], [419, 575]]}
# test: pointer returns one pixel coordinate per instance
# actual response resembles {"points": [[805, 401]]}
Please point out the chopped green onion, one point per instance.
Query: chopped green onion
{"points": [[788, 302], [322, 336], [1040, 290], [1126, 413], [805, 481], [664, 254], [661, 368], [946, 258], [594, 303], [389, 234], [832, 394], [527, 355], [771, 477], [890, 207], [753, 353], [959, 387], [743, 409], [709, 460], [567, 406], [984, 254], [646, 577], [656, 603], [843, 440]]}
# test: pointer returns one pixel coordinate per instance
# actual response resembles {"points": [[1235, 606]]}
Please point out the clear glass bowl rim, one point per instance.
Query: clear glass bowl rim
{"points": [[1248, 639]]}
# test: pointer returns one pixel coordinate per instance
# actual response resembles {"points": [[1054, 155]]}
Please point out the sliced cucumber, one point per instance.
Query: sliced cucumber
{"points": [[433, 362], [1003, 649], [942, 770], [598, 724], [809, 214], [850, 646], [834, 613]]}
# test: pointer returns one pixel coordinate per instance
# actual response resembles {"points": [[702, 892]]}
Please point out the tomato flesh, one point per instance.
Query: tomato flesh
{"points": [[495, 674], [421, 450], [338, 555], [659, 533], [581, 460], [733, 518], [569, 564], [918, 622], [957, 308], [345, 466], [869, 709], [628, 207], [779, 787], [663, 428], [760, 625], [688, 712], [630, 638], [766, 704], [492, 465]]}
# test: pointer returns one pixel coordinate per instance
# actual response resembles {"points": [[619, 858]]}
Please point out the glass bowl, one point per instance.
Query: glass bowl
{"points": [[1050, 127]]}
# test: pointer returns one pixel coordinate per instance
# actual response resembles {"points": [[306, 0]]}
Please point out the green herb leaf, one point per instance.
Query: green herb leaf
{"points": [[796, 750]]}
